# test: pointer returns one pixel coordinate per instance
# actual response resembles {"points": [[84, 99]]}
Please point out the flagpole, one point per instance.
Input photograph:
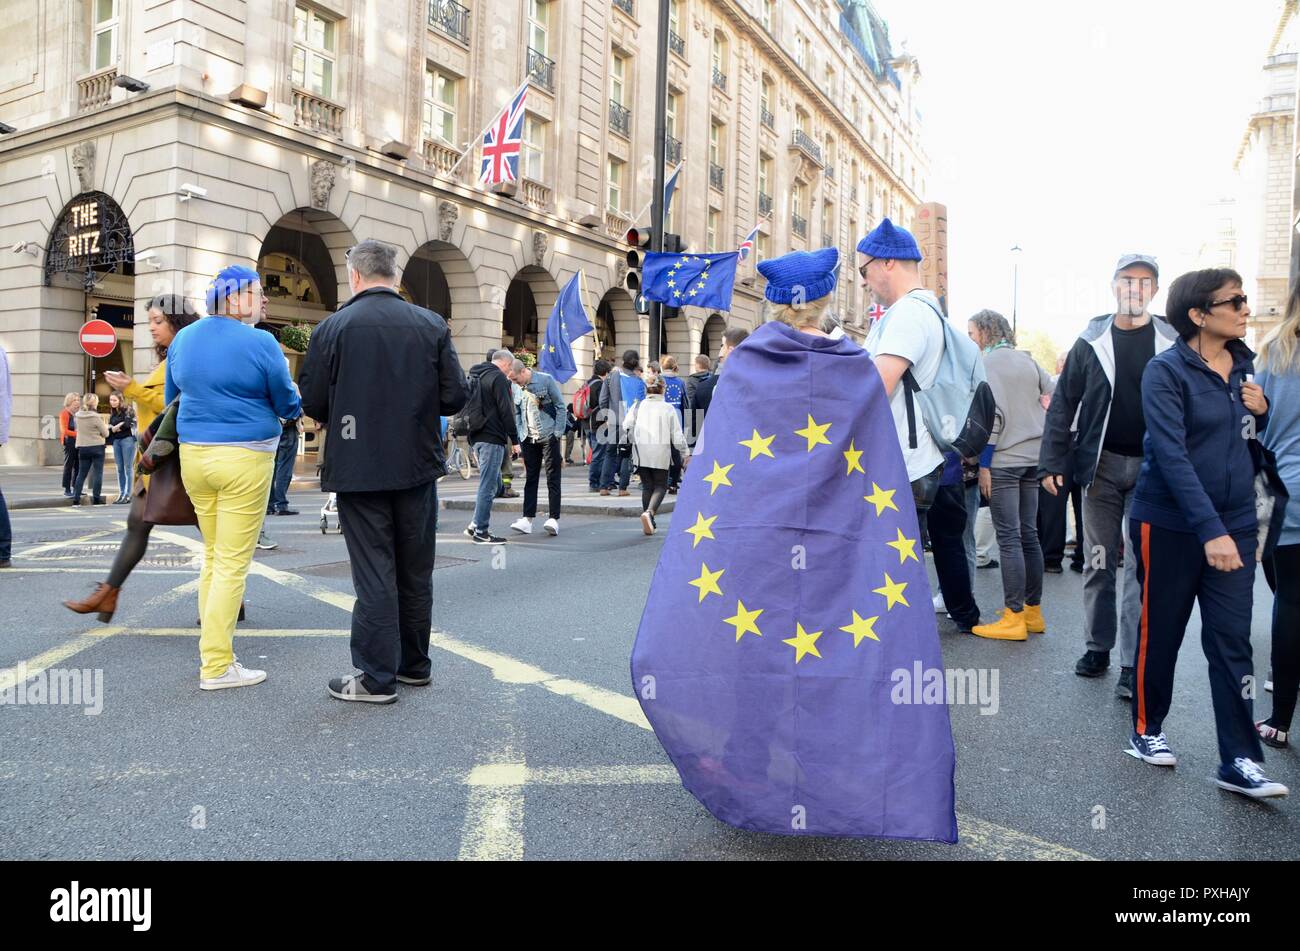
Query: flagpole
{"points": [[657, 199], [651, 201], [479, 138]]}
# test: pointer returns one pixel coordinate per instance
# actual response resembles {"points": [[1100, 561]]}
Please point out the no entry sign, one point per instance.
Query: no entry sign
{"points": [[98, 338]]}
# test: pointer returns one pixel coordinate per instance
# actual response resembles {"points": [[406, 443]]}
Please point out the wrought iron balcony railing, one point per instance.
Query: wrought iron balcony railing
{"points": [[799, 226], [807, 144], [625, 6], [719, 79], [620, 118], [717, 176], [541, 70], [672, 150], [766, 117], [764, 204], [677, 44], [450, 17]]}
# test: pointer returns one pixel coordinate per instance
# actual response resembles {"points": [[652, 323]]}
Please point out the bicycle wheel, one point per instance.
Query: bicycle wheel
{"points": [[464, 462]]}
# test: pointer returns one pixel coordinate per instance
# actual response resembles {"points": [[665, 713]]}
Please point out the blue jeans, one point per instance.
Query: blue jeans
{"points": [[90, 464], [6, 532], [597, 468], [124, 456], [616, 469], [968, 537], [285, 453], [490, 456]]}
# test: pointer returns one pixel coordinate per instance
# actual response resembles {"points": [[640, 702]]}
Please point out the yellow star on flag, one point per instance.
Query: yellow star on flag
{"points": [[702, 529], [862, 628], [881, 499], [893, 593], [854, 458], [718, 477], [692, 294], [803, 643], [743, 621], [906, 547], [759, 445], [671, 282], [815, 433], [707, 582]]}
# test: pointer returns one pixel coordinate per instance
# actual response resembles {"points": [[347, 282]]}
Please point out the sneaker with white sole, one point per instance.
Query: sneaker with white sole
{"points": [[939, 606], [352, 688], [1245, 777], [647, 523], [1153, 749], [470, 529], [552, 527], [236, 675], [524, 526], [264, 543]]}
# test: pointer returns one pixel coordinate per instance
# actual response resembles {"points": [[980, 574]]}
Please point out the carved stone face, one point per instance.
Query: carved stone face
{"points": [[83, 165]]}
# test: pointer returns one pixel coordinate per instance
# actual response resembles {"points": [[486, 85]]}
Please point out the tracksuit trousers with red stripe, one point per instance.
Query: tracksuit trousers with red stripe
{"points": [[1174, 575]]}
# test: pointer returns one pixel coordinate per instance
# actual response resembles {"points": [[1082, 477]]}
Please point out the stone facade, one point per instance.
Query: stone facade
{"points": [[349, 143]]}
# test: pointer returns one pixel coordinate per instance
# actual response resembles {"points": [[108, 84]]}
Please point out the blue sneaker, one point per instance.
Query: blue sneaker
{"points": [[1152, 749], [1244, 776]]}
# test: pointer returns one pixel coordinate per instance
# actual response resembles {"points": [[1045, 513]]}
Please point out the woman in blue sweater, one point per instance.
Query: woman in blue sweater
{"points": [[235, 388], [1193, 526]]}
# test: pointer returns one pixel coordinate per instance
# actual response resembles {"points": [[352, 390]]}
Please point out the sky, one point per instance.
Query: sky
{"points": [[1078, 131]]}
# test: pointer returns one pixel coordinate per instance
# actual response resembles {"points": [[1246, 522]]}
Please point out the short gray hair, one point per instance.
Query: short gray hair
{"points": [[371, 258], [518, 366], [502, 354]]}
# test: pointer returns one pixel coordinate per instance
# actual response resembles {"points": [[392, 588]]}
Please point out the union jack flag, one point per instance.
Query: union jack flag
{"points": [[875, 312], [503, 141], [747, 245]]}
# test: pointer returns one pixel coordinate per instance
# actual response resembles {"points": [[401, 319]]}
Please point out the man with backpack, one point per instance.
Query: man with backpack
{"points": [[674, 396], [585, 403], [489, 421], [543, 424]]}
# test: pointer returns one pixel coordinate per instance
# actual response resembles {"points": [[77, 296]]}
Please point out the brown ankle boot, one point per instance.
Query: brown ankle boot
{"points": [[103, 599]]}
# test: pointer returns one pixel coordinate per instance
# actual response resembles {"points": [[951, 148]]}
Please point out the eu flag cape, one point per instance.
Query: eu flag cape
{"points": [[791, 602]]}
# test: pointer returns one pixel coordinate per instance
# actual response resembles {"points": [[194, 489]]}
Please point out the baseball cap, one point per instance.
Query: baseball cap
{"points": [[1146, 260]]}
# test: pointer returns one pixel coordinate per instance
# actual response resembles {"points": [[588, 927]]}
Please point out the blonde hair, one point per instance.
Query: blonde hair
{"points": [[1280, 351], [90, 401], [70, 399], [800, 314]]}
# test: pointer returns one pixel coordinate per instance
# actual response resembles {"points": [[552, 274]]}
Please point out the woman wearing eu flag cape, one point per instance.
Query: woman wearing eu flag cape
{"points": [[792, 606]]}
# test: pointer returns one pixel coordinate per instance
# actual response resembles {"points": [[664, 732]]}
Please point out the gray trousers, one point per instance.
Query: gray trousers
{"points": [[1013, 503], [1106, 504]]}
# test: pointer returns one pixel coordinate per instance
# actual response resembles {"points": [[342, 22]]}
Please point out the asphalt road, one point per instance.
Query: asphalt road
{"points": [[528, 744]]}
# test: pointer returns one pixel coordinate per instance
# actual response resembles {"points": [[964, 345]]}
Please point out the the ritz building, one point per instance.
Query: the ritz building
{"points": [[145, 145]]}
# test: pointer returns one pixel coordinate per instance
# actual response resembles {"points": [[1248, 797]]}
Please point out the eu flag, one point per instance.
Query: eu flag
{"points": [[790, 603], [700, 280], [568, 322]]}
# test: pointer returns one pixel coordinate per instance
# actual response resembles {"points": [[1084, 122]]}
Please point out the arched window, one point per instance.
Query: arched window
{"points": [[285, 276]]}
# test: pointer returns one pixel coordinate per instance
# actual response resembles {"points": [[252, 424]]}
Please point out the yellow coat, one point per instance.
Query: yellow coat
{"points": [[148, 398]]}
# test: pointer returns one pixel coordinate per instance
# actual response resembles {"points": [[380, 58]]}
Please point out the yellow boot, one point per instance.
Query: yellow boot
{"points": [[1011, 627], [1034, 622]]}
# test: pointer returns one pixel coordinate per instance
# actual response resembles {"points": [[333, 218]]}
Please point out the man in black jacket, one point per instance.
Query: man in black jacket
{"points": [[492, 433], [380, 372]]}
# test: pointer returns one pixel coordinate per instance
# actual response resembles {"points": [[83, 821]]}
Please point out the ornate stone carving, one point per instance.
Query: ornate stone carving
{"points": [[83, 164], [448, 212], [321, 177], [620, 272], [539, 248]]}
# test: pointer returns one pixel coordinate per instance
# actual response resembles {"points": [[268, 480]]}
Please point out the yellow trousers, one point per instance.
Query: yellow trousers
{"points": [[229, 486]]}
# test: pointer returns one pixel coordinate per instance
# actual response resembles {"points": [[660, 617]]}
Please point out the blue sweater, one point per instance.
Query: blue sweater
{"points": [[1283, 437], [234, 382], [1198, 475]]}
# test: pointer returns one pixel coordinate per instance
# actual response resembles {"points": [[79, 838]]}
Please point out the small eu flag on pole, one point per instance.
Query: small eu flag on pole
{"points": [[698, 280], [568, 321]]}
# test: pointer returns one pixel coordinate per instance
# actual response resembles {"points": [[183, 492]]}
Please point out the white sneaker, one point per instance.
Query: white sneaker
{"points": [[236, 675], [524, 526], [939, 606], [470, 529], [264, 543], [647, 523], [552, 527]]}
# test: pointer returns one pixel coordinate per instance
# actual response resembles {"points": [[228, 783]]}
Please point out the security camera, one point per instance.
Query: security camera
{"points": [[188, 191], [25, 247], [150, 257]]}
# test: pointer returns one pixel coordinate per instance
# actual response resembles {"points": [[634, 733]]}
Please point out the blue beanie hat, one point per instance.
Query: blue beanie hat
{"points": [[890, 243], [229, 280], [802, 275]]}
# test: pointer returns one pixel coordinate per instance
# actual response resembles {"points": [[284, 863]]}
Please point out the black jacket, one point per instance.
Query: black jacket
{"points": [[126, 432], [702, 397], [692, 382], [498, 407], [1084, 389], [379, 373]]}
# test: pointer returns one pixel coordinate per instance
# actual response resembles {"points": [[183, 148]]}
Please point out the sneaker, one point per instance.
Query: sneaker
{"points": [[1076, 567], [1093, 664], [991, 563], [1151, 749], [236, 675], [509, 494], [353, 688], [1034, 622], [1271, 735], [469, 530], [264, 543], [67, 493], [524, 526], [1010, 627], [647, 523], [1127, 683], [487, 538], [1245, 777], [939, 606], [415, 681], [1054, 569], [1268, 681], [552, 527], [286, 512]]}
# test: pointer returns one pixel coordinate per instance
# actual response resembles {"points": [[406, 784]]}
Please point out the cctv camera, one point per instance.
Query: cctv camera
{"points": [[188, 191]]}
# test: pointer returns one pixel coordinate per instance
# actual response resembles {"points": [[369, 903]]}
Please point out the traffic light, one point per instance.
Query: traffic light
{"points": [[641, 239]]}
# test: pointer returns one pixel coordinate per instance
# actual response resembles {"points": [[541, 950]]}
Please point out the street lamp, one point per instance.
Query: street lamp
{"points": [[1015, 285]]}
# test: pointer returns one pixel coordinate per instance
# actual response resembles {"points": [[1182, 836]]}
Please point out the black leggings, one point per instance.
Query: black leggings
{"points": [[1284, 567], [654, 485], [133, 546]]}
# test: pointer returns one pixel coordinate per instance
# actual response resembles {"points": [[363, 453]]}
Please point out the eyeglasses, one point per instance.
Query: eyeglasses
{"points": [[863, 268], [1238, 301]]}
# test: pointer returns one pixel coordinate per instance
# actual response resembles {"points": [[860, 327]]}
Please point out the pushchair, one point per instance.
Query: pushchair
{"points": [[330, 511]]}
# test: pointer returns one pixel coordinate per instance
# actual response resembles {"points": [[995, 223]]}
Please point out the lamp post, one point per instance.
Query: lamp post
{"points": [[1015, 285]]}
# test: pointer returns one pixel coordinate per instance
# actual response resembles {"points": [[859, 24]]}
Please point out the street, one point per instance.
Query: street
{"points": [[529, 743]]}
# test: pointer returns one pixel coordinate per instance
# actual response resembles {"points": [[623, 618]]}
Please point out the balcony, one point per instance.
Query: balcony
{"points": [[766, 117], [95, 91], [717, 176], [805, 143], [626, 7], [451, 18], [315, 114], [1281, 59], [672, 150], [799, 225], [676, 44], [616, 226], [853, 194], [541, 70], [439, 156], [719, 79], [620, 119], [830, 173], [536, 195], [1282, 102], [764, 205]]}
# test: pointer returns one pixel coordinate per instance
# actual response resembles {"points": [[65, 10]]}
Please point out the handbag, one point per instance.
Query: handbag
{"points": [[165, 500], [1271, 499]]}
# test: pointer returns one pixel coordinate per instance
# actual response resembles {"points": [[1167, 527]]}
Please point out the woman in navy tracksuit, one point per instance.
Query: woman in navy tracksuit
{"points": [[1193, 525]]}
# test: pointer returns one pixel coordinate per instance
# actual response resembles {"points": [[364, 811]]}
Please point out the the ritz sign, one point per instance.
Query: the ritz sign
{"points": [[83, 242]]}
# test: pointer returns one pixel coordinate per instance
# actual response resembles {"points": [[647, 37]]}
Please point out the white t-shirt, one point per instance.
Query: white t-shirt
{"points": [[911, 330]]}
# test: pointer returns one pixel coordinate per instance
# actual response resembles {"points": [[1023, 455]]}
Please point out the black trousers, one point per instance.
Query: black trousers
{"points": [[1283, 573], [1052, 510], [390, 538], [947, 522], [535, 453], [1174, 575], [69, 462], [654, 485]]}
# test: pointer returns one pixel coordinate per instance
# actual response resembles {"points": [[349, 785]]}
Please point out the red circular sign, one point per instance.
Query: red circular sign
{"points": [[98, 338]]}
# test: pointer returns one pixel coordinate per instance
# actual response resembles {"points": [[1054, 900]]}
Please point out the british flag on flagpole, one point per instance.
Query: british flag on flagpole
{"points": [[747, 246], [503, 141]]}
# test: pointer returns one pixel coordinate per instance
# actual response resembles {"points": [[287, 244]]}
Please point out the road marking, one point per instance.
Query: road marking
{"points": [[16, 570], [999, 842], [241, 632], [54, 656], [54, 546]]}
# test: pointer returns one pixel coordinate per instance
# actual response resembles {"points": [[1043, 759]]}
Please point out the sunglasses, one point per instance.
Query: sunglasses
{"points": [[862, 269], [1238, 301]]}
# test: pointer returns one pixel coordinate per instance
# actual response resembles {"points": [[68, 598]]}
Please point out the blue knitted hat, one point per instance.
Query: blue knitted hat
{"points": [[229, 280], [801, 275], [890, 243]]}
